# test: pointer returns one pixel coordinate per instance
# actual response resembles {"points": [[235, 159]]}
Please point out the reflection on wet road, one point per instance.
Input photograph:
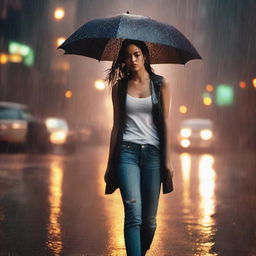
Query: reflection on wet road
{"points": [[207, 201], [54, 241], [55, 205]]}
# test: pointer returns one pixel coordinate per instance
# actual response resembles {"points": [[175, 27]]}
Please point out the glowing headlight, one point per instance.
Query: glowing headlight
{"points": [[185, 132], [206, 134], [19, 126], [58, 137], [185, 143], [51, 123]]}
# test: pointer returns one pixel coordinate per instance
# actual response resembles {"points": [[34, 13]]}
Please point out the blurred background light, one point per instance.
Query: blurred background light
{"points": [[185, 132], [185, 143], [206, 134], [242, 84], [100, 84], [207, 101], [68, 94], [15, 58], [60, 40], [224, 95], [254, 82], [209, 88], [183, 109], [59, 13], [3, 58]]}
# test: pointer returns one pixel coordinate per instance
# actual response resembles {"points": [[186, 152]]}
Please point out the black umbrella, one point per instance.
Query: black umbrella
{"points": [[101, 39]]}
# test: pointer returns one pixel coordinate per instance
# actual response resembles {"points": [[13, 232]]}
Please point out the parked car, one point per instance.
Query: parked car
{"points": [[196, 133], [61, 135], [20, 127]]}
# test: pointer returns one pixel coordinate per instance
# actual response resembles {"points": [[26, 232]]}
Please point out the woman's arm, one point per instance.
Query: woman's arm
{"points": [[166, 102], [115, 127]]}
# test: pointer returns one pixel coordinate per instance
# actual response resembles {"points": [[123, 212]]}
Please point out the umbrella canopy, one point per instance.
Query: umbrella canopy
{"points": [[101, 39]]}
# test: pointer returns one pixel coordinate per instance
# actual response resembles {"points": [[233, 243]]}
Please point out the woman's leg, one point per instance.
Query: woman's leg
{"points": [[150, 190], [129, 182]]}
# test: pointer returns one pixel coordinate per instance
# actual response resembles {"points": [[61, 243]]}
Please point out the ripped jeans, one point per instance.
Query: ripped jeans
{"points": [[140, 181]]}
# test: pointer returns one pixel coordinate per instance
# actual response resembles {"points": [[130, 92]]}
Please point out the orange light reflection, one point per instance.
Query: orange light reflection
{"points": [[186, 169], [55, 195], [207, 177], [113, 208]]}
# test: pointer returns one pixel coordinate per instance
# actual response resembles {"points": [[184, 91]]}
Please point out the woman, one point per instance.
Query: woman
{"points": [[139, 155]]}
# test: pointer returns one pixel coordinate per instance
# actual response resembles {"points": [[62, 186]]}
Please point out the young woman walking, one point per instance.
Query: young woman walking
{"points": [[139, 155]]}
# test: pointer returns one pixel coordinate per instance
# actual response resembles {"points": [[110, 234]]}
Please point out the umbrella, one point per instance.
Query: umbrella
{"points": [[101, 39]]}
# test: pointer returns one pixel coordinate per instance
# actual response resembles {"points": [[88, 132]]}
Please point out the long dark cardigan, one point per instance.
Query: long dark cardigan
{"points": [[158, 119]]}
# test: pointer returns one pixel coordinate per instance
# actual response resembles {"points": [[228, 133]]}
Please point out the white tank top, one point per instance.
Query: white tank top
{"points": [[139, 127]]}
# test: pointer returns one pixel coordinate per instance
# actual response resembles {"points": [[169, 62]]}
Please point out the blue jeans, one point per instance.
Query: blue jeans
{"points": [[139, 179]]}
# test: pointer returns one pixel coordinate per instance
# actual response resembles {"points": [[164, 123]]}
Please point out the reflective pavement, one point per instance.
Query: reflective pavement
{"points": [[55, 205]]}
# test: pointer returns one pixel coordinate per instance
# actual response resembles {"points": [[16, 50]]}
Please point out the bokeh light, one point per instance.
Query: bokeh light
{"points": [[242, 84], [3, 58], [59, 13], [254, 82], [209, 88], [207, 101], [68, 94], [60, 41], [99, 84], [183, 109]]}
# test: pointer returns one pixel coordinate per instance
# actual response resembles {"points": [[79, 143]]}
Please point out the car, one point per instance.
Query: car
{"points": [[196, 133], [61, 135], [21, 128]]}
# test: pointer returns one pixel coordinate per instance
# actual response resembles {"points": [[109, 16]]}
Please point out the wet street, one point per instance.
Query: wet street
{"points": [[55, 205]]}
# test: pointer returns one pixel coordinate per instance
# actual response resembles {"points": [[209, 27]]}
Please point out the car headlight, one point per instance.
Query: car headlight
{"points": [[185, 143], [19, 125], [206, 134], [185, 132], [58, 137], [51, 123]]}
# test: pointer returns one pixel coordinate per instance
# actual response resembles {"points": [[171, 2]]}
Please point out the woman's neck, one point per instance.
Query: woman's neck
{"points": [[140, 76]]}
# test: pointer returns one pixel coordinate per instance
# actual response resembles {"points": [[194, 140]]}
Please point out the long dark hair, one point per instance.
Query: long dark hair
{"points": [[119, 69]]}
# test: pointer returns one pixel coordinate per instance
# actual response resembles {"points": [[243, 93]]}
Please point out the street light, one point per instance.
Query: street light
{"points": [[59, 13]]}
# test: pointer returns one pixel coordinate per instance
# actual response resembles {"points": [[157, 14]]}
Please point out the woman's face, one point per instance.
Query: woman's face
{"points": [[134, 58]]}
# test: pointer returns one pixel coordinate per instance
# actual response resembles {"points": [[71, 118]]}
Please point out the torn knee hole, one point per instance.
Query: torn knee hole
{"points": [[130, 201]]}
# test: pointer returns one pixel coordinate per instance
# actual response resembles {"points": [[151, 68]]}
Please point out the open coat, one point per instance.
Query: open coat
{"points": [[158, 119]]}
